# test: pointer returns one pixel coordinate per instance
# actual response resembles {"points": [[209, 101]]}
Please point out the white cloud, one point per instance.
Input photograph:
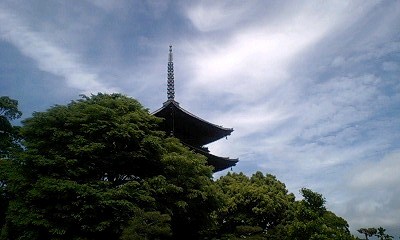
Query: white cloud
{"points": [[337, 104], [216, 15], [338, 61], [314, 127], [278, 117], [373, 193], [257, 57], [391, 66], [49, 56], [108, 5], [384, 173]]}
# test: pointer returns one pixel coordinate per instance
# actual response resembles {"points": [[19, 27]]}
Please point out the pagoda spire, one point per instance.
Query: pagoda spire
{"points": [[170, 83]]}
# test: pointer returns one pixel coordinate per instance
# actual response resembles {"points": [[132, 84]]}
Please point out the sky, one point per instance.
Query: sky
{"points": [[311, 88]]}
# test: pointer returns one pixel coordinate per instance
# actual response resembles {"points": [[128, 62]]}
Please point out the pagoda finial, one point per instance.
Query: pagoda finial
{"points": [[170, 83]]}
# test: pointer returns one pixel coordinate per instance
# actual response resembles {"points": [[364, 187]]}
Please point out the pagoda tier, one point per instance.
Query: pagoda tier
{"points": [[188, 127], [219, 163]]}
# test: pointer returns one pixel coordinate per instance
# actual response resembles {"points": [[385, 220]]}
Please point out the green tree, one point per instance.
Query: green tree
{"points": [[253, 205], [100, 165], [147, 226], [195, 196], [380, 233], [308, 219], [368, 232], [9, 144], [8, 133], [9, 108]]}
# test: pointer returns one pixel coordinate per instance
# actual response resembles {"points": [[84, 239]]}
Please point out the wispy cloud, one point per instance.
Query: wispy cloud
{"points": [[257, 57], [253, 70], [374, 192], [209, 16], [50, 56]]}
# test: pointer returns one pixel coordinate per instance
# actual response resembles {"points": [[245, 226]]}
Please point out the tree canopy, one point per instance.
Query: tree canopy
{"points": [[8, 133], [9, 108], [260, 207], [9, 144], [253, 205], [98, 165], [379, 232]]}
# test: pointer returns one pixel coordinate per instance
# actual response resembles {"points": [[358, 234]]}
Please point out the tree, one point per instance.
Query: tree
{"points": [[8, 134], [194, 197], [308, 219], [147, 226], [9, 144], [380, 233], [9, 108], [253, 206], [100, 165], [368, 232]]}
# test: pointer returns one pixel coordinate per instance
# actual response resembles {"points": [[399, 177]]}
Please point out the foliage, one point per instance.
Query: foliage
{"points": [[377, 232], [382, 235], [9, 144], [368, 232], [195, 195], [104, 137], [100, 165], [147, 226], [8, 134], [252, 205], [260, 207], [9, 108], [309, 219]]}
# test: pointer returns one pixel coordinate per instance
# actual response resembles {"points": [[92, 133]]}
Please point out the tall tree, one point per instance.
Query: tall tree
{"points": [[9, 108], [382, 235], [308, 219], [99, 165], [9, 143], [368, 232], [260, 207], [253, 205], [194, 196]]}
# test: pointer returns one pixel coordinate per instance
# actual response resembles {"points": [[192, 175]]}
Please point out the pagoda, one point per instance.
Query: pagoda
{"points": [[191, 130]]}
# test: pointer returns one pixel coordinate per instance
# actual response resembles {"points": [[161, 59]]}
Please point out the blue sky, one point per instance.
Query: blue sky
{"points": [[311, 88]]}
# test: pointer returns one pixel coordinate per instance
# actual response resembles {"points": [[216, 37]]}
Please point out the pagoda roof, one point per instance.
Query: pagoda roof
{"points": [[189, 128], [219, 163]]}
